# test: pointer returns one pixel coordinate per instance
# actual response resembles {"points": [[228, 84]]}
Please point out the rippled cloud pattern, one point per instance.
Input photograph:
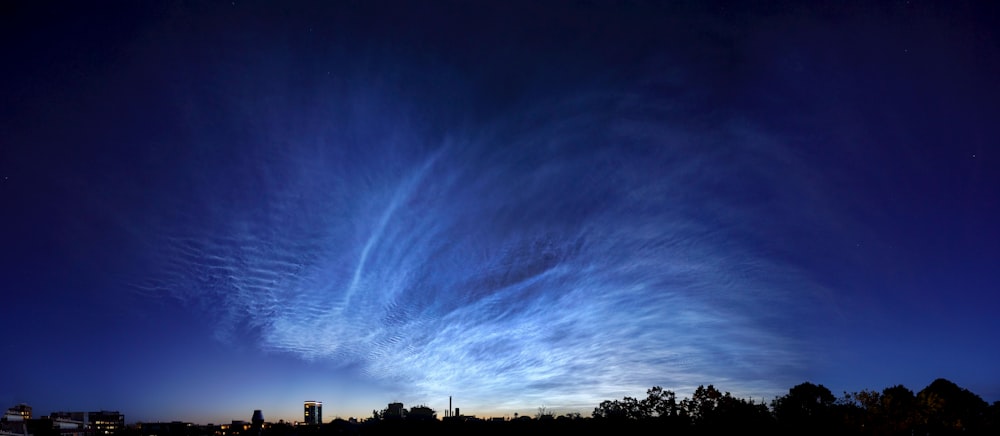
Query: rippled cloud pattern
{"points": [[557, 257]]}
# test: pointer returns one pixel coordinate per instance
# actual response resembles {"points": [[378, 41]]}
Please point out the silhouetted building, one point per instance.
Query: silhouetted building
{"points": [[21, 410], [15, 419], [313, 412], [69, 427], [105, 422], [100, 423], [173, 428], [257, 423], [73, 416], [14, 424], [421, 413], [395, 410], [257, 418], [69, 423], [40, 427], [236, 428]]}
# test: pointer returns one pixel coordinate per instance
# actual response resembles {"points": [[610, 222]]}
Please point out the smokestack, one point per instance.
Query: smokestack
{"points": [[449, 405]]}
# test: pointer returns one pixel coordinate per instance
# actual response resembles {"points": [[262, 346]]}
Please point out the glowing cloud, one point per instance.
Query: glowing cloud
{"points": [[572, 258]]}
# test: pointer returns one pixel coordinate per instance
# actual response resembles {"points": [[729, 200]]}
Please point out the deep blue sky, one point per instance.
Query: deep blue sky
{"points": [[210, 208]]}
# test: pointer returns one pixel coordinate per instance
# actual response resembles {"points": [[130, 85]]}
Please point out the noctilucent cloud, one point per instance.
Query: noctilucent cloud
{"points": [[210, 209]]}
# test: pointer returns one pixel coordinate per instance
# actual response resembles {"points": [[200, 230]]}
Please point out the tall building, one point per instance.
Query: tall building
{"points": [[313, 413], [257, 423]]}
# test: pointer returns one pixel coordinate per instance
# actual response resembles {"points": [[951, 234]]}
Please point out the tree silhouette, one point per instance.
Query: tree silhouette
{"points": [[890, 412], [713, 411], [702, 403], [660, 403], [991, 418], [942, 408], [807, 408], [610, 409], [855, 409], [945, 408], [897, 410], [544, 413]]}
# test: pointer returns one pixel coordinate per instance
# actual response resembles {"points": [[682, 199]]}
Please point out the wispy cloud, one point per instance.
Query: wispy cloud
{"points": [[556, 260]]}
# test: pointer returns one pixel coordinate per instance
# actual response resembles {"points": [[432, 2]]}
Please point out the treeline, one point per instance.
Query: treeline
{"points": [[941, 408]]}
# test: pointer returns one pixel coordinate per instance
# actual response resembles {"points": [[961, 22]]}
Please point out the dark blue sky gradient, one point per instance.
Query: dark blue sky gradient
{"points": [[215, 208]]}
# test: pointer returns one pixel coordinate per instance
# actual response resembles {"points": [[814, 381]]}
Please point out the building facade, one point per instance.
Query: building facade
{"points": [[21, 411], [105, 422], [313, 412]]}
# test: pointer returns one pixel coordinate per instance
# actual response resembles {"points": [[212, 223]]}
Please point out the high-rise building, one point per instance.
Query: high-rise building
{"points": [[257, 423], [313, 413]]}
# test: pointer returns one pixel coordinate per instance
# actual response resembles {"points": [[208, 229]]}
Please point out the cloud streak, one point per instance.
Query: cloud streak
{"points": [[560, 257]]}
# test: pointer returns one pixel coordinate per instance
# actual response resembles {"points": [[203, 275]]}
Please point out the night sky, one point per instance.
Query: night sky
{"points": [[213, 207]]}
